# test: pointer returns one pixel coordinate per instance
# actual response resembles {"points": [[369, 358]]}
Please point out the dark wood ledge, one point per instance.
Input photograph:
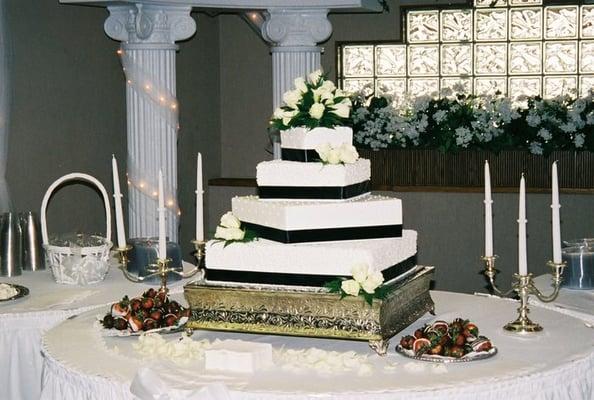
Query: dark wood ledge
{"points": [[251, 182]]}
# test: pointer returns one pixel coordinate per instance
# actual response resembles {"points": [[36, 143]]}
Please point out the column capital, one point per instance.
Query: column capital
{"points": [[149, 23], [296, 27]]}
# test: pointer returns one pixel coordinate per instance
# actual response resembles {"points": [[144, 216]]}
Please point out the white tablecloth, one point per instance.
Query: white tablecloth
{"points": [[23, 322], [556, 364]]}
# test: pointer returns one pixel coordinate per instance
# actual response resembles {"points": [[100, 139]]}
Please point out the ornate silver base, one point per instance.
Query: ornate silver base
{"points": [[310, 312]]}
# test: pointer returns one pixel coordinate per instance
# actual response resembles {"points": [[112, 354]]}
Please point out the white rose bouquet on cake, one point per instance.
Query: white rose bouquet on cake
{"points": [[230, 230], [313, 103], [365, 283]]}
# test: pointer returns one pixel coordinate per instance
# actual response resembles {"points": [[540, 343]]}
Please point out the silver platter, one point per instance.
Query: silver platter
{"points": [[447, 360], [180, 327], [21, 292]]}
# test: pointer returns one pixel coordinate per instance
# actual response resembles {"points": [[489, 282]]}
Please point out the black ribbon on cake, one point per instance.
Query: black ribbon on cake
{"points": [[324, 235], [301, 155], [270, 278], [314, 192]]}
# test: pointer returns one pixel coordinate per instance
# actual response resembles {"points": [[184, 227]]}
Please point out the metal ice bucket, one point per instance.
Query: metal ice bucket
{"points": [[579, 256]]}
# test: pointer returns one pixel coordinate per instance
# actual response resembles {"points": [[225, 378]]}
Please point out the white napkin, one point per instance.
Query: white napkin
{"points": [[147, 385]]}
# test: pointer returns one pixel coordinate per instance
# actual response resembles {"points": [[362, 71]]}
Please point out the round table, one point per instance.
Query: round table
{"points": [[23, 322], [555, 364]]}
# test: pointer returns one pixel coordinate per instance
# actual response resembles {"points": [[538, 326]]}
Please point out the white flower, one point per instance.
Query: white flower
{"points": [[228, 220], [323, 151], [373, 281], [341, 93], [333, 156], [229, 233], [350, 287], [328, 86], [579, 140], [292, 97], [348, 153], [544, 133], [300, 84], [327, 97], [535, 148], [288, 116], [315, 76], [360, 272], [317, 110], [439, 115], [278, 113], [341, 109]]}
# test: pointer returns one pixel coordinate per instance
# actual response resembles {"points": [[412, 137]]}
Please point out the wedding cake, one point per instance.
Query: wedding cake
{"points": [[314, 217]]}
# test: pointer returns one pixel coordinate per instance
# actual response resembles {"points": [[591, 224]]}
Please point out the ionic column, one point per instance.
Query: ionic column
{"points": [[294, 35], [148, 34]]}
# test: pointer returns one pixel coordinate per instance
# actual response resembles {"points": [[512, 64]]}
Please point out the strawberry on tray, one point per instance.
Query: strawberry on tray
{"points": [[151, 312], [457, 341]]}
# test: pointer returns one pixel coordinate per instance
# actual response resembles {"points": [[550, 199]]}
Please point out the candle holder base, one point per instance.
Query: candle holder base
{"points": [[523, 325]]}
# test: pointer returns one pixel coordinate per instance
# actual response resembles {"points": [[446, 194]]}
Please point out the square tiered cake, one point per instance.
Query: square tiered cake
{"points": [[314, 221]]}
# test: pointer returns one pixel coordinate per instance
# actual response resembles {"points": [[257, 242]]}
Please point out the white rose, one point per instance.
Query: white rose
{"points": [[323, 151], [373, 281], [300, 84], [327, 97], [228, 220], [348, 154], [288, 116], [328, 86], [317, 110], [341, 109], [346, 101], [229, 233], [278, 113], [360, 272], [340, 93], [292, 97], [333, 157], [350, 287], [315, 76]]}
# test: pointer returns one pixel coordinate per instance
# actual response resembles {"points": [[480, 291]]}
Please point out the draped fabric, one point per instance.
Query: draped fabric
{"points": [[5, 96]]}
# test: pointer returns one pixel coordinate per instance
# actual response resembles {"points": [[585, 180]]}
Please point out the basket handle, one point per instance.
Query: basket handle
{"points": [[69, 177]]}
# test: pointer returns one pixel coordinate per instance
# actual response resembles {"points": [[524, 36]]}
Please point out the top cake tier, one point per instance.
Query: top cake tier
{"points": [[299, 144]]}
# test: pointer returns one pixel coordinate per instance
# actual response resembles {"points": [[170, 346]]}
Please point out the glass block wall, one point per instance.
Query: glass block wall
{"points": [[516, 47]]}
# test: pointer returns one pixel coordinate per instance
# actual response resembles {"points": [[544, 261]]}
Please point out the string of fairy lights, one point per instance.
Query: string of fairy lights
{"points": [[167, 108]]}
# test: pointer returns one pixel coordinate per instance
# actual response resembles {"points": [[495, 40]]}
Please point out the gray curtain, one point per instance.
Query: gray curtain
{"points": [[5, 95]]}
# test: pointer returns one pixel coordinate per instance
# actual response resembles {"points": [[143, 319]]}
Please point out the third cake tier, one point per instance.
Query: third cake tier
{"points": [[365, 217]]}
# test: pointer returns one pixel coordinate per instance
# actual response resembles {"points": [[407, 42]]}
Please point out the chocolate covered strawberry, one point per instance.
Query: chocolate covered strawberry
{"points": [[170, 320], [120, 323], [135, 323], [121, 309], [147, 303]]}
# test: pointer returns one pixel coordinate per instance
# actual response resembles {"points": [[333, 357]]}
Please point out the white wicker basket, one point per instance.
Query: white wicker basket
{"points": [[77, 265]]}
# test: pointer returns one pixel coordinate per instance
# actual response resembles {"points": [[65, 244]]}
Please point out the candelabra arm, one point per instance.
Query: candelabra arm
{"points": [[556, 276], [490, 272]]}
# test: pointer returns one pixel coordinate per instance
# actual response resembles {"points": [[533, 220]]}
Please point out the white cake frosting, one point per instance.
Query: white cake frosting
{"points": [[311, 174], [363, 211], [238, 356], [327, 258], [303, 138]]}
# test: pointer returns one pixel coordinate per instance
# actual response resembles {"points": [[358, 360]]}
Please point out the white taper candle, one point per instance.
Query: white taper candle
{"points": [[522, 253], [162, 241], [555, 206], [117, 196], [199, 201], [488, 213]]}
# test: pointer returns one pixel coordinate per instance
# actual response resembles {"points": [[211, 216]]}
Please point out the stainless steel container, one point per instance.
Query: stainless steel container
{"points": [[33, 258], [579, 273], [10, 246]]}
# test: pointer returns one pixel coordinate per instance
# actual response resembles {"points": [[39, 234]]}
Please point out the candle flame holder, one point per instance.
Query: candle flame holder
{"points": [[161, 267], [523, 286]]}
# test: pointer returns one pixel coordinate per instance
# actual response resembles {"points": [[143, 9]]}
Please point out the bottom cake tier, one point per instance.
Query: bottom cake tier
{"points": [[312, 312]]}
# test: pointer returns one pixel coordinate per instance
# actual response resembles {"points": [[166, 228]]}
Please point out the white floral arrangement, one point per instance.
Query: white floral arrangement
{"points": [[365, 282], [493, 123], [230, 230], [343, 154], [315, 102]]}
